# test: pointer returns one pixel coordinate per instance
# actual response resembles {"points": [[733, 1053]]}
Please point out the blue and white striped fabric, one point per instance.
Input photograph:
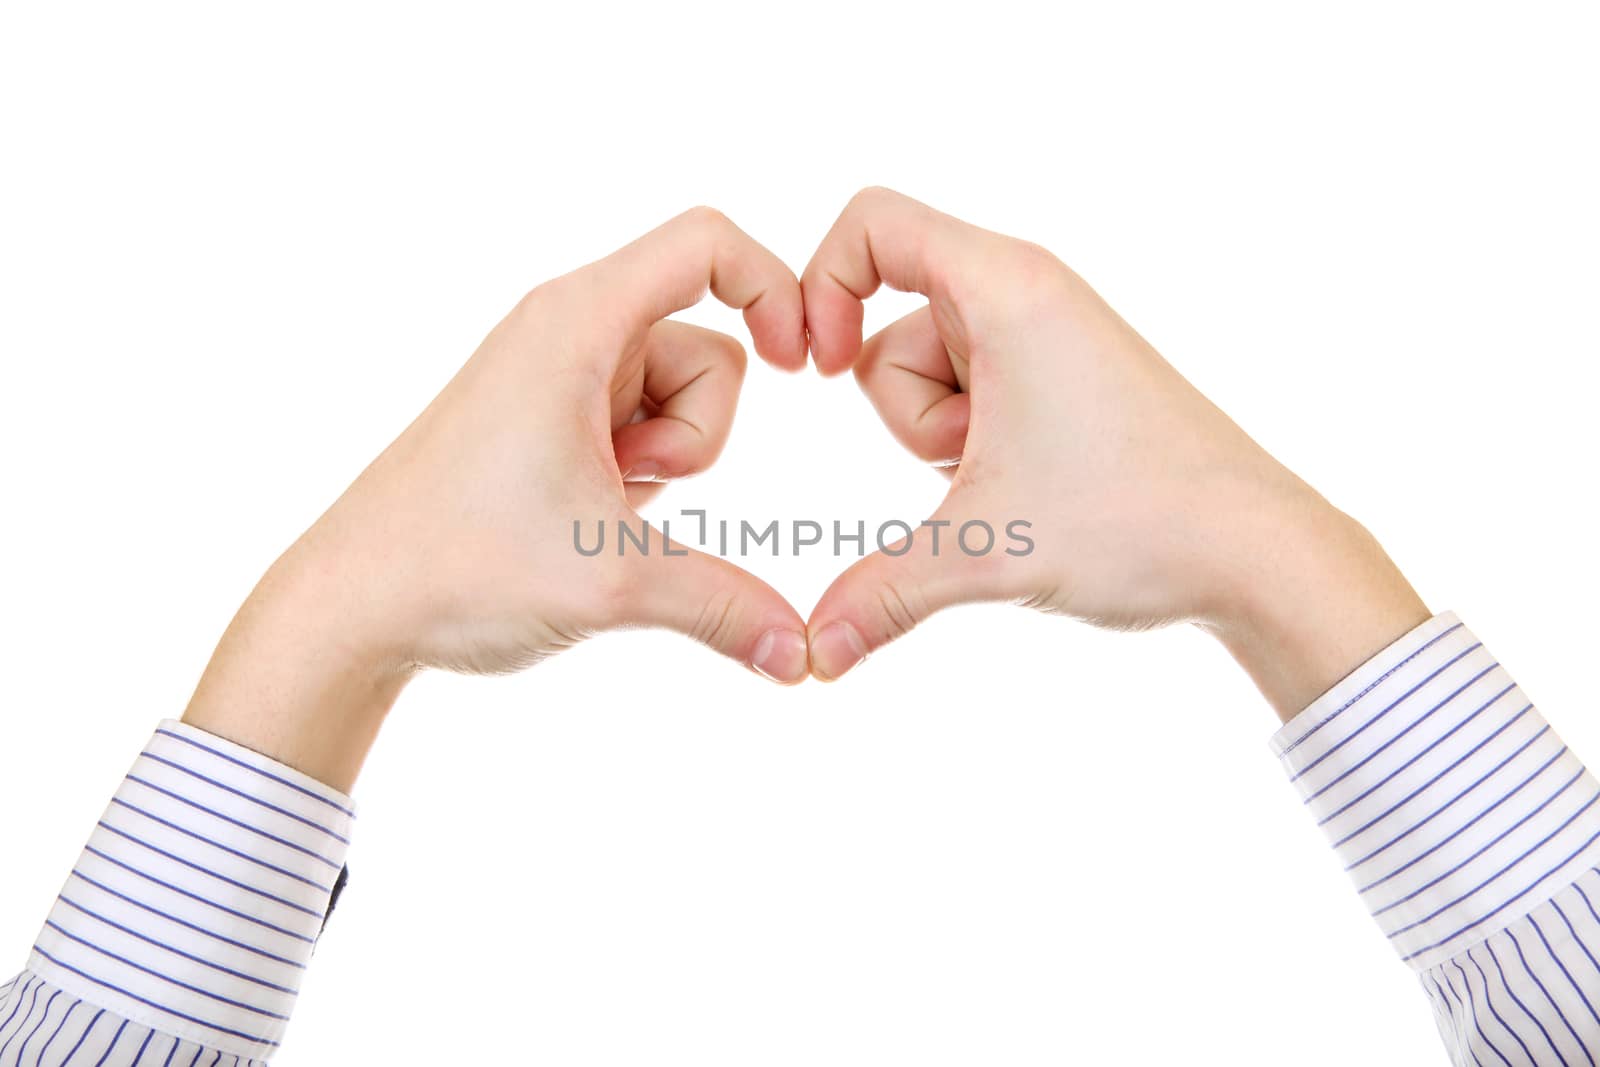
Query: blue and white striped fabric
{"points": [[1472, 834], [1470, 830], [180, 938]]}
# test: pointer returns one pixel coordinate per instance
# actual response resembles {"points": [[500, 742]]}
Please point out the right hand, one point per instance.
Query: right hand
{"points": [[1147, 504], [455, 548]]}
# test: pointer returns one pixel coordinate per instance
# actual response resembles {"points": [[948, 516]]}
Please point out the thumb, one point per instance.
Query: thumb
{"points": [[717, 604], [945, 562]]}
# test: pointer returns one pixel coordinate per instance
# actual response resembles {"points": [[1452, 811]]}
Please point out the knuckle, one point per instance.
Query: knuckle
{"points": [[557, 303], [1035, 278], [733, 352], [1035, 262], [540, 299], [872, 196], [718, 619], [902, 608], [704, 217]]}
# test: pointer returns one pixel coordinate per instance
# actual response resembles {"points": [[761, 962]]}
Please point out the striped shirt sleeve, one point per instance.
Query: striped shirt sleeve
{"points": [[182, 933], [1472, 834]]}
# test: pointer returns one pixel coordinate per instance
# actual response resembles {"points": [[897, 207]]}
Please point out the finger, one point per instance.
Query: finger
{"points": [[671, 267], [718, 604], [691, 381], [891, 591], [881, 237], [910, 377]]}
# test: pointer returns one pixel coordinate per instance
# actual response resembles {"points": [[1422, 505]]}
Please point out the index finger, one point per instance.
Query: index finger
{"points": [[671, 267], [882, 237]]}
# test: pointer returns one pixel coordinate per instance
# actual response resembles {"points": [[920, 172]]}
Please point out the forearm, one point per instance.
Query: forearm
{"points": [[189, 919], [1312, 596], [1469, 829], [298, 676]]}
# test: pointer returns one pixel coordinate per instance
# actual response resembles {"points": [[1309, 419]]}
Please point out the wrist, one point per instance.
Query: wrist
{"points": [[298, 677], [1311, 598]]}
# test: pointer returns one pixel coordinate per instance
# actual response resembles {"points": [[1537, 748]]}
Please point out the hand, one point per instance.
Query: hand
{"points": [[1147, 504], [455, 548]]}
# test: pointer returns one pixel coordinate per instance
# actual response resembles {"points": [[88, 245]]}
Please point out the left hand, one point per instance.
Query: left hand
{"points": [[1147, 504]]}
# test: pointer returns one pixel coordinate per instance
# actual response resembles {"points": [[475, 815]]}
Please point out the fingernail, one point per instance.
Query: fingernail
{"points": [[836, 648], [646, 470], [780, 655]]}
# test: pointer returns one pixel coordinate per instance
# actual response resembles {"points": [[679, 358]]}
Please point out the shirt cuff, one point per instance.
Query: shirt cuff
{"points": [[1452, 804], [195, 905]]}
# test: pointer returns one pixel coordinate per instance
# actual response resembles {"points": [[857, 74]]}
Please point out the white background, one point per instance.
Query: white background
{"points": [[239, 250]]}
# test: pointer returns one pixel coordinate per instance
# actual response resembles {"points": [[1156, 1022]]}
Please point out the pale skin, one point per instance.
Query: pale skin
{"points": [[452, 550]]}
